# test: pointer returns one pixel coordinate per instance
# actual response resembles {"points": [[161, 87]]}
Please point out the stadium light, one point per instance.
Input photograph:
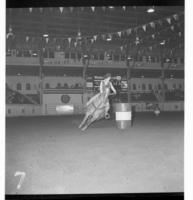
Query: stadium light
{"points": [[151, 9]]}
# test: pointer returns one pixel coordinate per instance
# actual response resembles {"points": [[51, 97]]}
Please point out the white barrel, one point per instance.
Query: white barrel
{"points": [[123, 115]]}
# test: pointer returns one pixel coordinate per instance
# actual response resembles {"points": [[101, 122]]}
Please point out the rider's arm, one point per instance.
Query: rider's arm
{"points": [[112, 88], [101, 86]]}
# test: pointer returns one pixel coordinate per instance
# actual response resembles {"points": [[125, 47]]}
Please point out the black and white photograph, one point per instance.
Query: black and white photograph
{"points": [[94, 99]]}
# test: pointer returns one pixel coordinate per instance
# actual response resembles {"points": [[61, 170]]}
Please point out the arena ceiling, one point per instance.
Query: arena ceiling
{"points": [[64, 22]]}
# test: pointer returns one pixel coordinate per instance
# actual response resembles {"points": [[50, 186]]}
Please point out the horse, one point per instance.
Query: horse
{"points": [[96, 108]]}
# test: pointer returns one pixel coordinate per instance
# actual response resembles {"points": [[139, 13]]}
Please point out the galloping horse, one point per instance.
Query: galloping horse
{"points": [[98, 106]]}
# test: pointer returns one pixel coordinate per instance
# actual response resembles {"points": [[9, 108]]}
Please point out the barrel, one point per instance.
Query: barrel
{"points": [[122, 115]]}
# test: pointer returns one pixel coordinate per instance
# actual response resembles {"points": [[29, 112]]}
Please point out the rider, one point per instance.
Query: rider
{"points": [[105, 87]]}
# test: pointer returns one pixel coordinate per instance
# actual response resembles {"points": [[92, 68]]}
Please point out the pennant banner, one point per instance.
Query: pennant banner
{"points": [[71, 9], [152, 24], [69, 40], [172, 28], [61, 9], [47, 39], [93, 8], [119, 33], [176, 17], [128, 31], [124, 8], [169, 20], [27, 38], [144, 27], [104, 8], [95, 37], [103, 36]]}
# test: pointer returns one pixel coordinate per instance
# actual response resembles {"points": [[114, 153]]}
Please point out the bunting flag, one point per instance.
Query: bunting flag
{"points": [[9, 34], [47, 40], [124, 8], [30, 10], [137, 41], [95, 37], [104, 8], [144, 27], [71, 9], [176, 17], [27, 38], [168, 20], [119, 33], [153, 36], [152, 24], [103, 36], [69, 40], [61, 9], [160, 22], [93, 8], [172, 28], [128, 31]]}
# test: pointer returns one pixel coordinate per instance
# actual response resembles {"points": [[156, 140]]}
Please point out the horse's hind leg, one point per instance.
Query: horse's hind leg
{"points": [[87, 122]]}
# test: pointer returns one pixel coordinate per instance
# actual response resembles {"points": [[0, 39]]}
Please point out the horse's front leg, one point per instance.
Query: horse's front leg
{"points": [[83, 121]]}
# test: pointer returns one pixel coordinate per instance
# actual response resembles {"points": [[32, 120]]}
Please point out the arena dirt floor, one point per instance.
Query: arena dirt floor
{"points": [[58, 158]]}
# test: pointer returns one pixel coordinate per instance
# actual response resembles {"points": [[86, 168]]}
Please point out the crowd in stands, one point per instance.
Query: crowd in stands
{"points": [[14, 97]]}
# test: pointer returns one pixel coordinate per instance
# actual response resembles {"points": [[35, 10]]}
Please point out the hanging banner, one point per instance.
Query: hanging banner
{"points": [[144, 27], [172, 28], [30, 10], [95, 37], [152, 24], [69, 40], [153, 36], [168, 20], [160, 22], [128, 31], [176, 17], [93, 8], [27, 38], [71, 9], [119, 33], [103, 36], [104, 8], [124, 8], [61, 9]]}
